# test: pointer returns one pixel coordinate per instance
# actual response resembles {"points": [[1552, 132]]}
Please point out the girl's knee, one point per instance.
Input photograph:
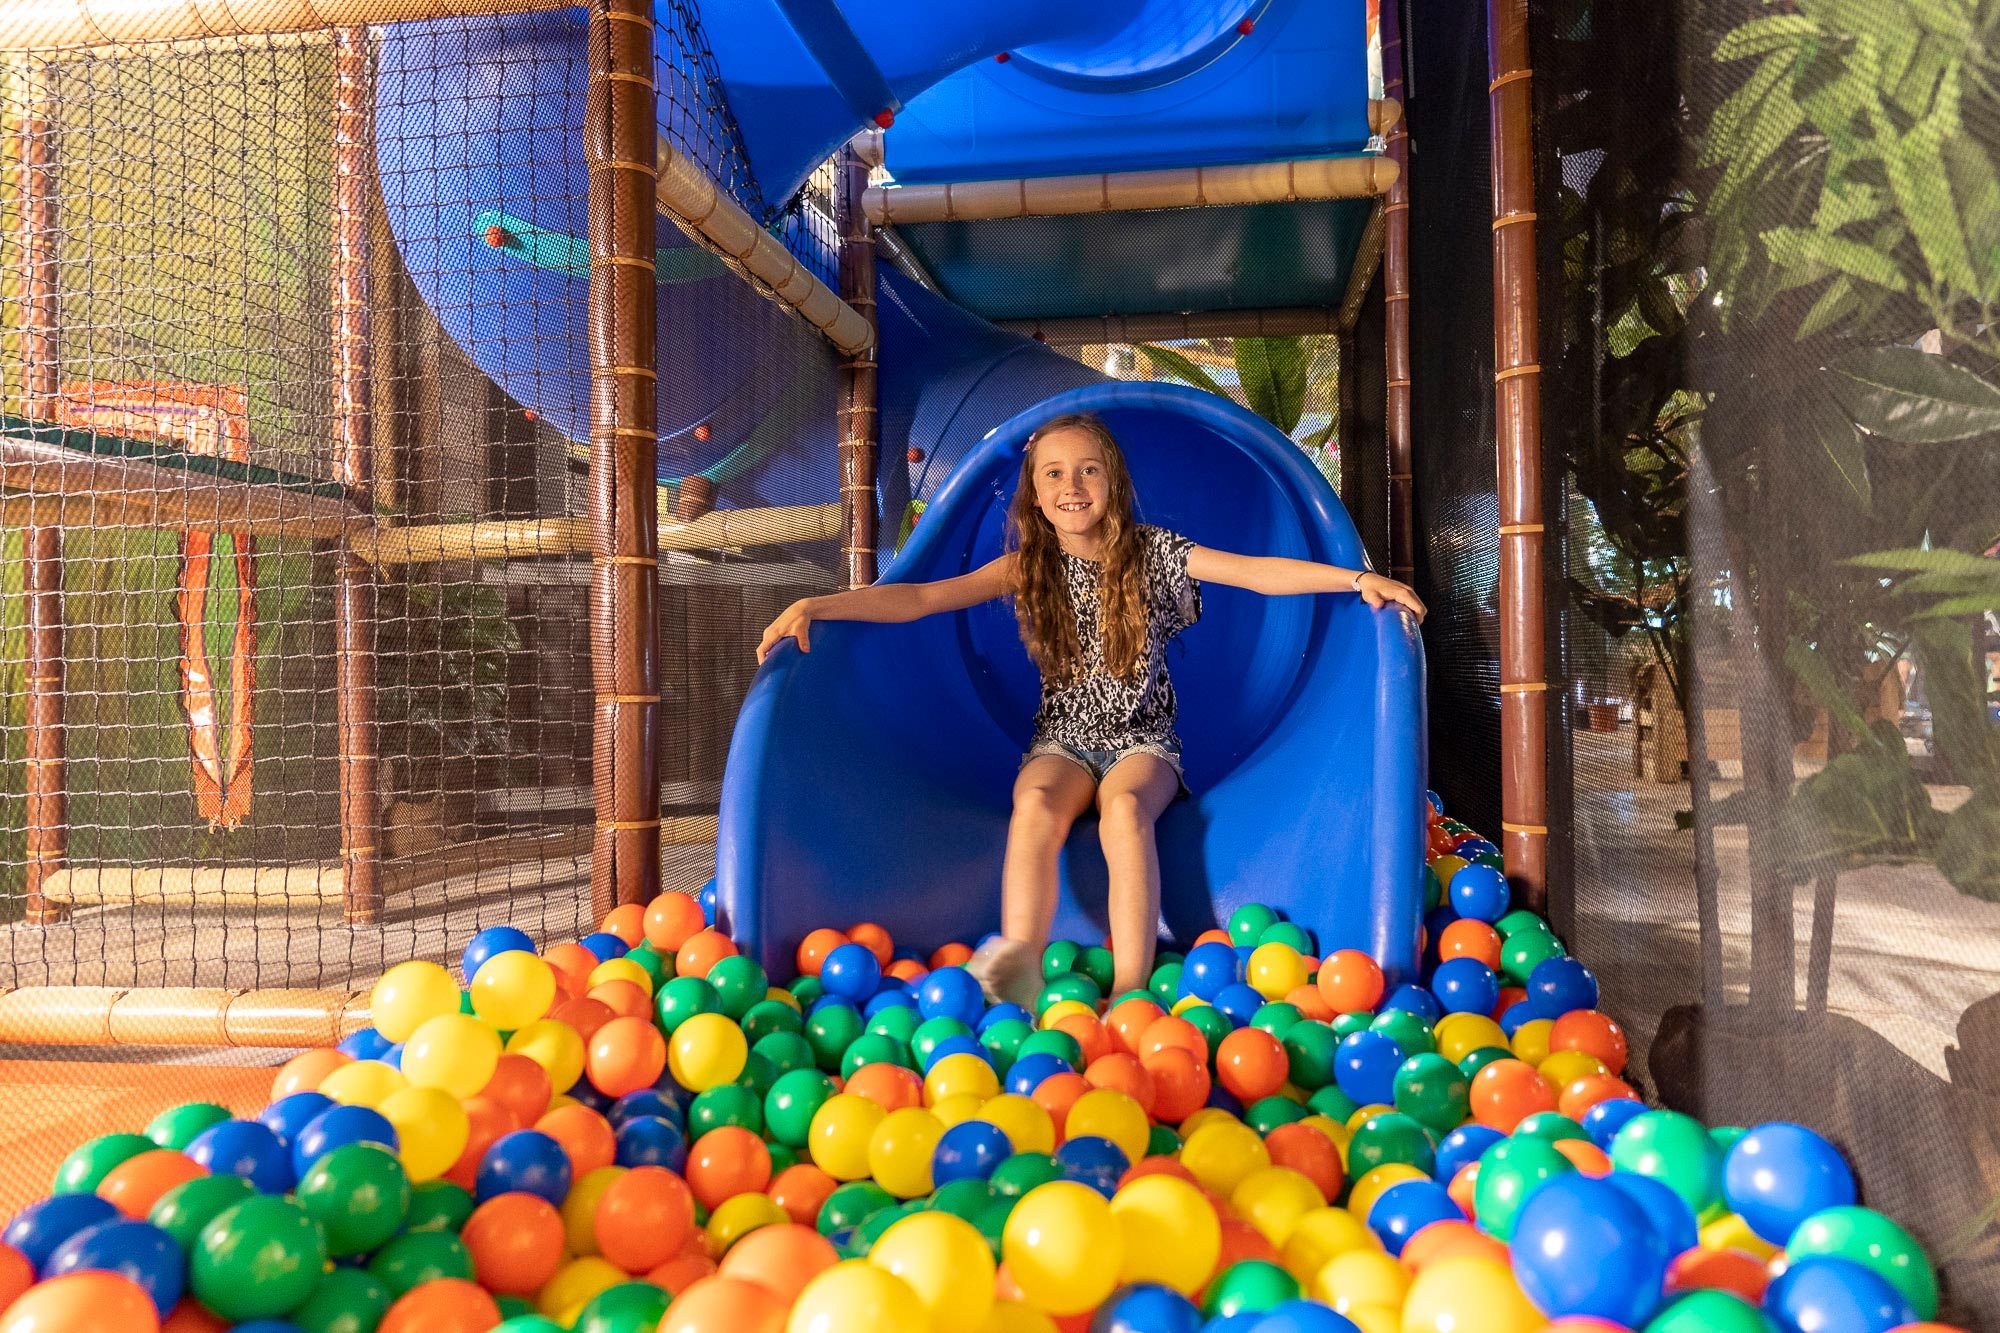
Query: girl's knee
{"points": [[1036, 810], [1123, 812]]}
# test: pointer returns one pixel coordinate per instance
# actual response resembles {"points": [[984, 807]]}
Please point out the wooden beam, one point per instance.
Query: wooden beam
{"points": [[858, 418], [1396, 359], [1275, 322], [50, 25]]}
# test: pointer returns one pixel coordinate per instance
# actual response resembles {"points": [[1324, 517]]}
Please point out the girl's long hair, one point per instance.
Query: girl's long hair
{"points": [[1041, 600]]}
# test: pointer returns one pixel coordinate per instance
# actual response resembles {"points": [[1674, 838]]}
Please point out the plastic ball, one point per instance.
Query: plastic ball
{"points": [[512, 989], [336, 1127], [1365, 1067], [1561, 985], [1363, 1275], [139, 1182], [839, 1135], [410, 995], [359, 1194], [1585, 1247], [1478, 893], [670, 921], [1779, 1174], [1253, 1286], [1467, 1292], [259, 1258], [1221, 1153], [455, 1052], [1508, 1174], [136, 1250], [1666, 1212], [1466, 986], [707, 1050], [248, 1149], [84, 1302], [516, 1243], [1837, 1296], [851, 972], [1873, 1241], [1061, 1247], [526, 1161], [854, 1294], [1672, 1148], [946, 1262], [432, 1130], [969, 1151], [441, 1305], [900, 1149]]}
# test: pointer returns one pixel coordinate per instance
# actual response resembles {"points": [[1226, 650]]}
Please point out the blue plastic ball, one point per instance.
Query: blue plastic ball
{"points": [[492, 940], [1466, 986], [1582, 1246], [1603, 1121], [1238, 1003], [1519, 1014], [267, 1326], [527, 1161], [367, 1044], [1779, 1174], [1208, 968], [1365, 1066], [1558, 986], [336, 1127], [851, 973], [1434, 801], [1827, 1295], [1093, 1161], [969, 1150], [1473, 847], [1416, 1000], [605, 945], [1465, 1144], [1222, 1099], [1303, 1316], [1407, 1208], [708, 900], [136, 1250], [1667, 1211], [651, 1140], [249, 1149], [289, 1115], [890, 994], [951, 992], [39, 1228], [958, 1043], [1000, 1013], [392, 1056], [646, 1101], [1146, 1308], [1479, 892], [587, 1092], [1029, 1071]]}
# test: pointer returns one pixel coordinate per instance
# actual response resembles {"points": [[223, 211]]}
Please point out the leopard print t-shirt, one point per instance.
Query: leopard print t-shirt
{"points": [[1100, 711]]}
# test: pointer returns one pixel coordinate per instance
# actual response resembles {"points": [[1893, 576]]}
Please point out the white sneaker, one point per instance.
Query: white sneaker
{"points": [[1008, 971]]}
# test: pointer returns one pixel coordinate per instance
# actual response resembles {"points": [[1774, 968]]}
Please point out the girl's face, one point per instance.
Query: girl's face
{"points": [[1072, 483]]}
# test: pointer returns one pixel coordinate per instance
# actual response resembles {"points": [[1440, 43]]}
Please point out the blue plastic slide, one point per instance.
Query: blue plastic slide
{"points": [[871, 779]]}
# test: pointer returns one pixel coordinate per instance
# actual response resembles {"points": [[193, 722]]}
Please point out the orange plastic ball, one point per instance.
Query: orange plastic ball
{"points": [[1123, 1073], [136, 1184], [1586, 1156], [950, 955], [726, 1162], [644, 1218], [890, 1087], [724, 1305], [1213, 935], [1251, 1064], [1463, 1184], [1180, 1084], [1589, 1090], [628, 922], [1310, 1003], [584, 1134], [1089, 1034], [1311, 1154], [516, 1243], [1127, 1021], [626, 1054], [682, 1271], [490, 1121], [625, 999], [703, 951], [1441, 1240], [1726, 1270], [801, 1190], [520, 1085], [1178, 1033], [573, 965], [583, 1014], [814, 948], [1507, 1092], [670, 919], [442, 1305], [87, 1301], [1470, 939], [780, 1259], [1509, 997], [1157, 1166], [875, 940], [1242, 1243], [1350, 981], [1056, 1094], [1592, 1033], [302, 1073], [190, 1316], [906, 969], [16, 1275]]}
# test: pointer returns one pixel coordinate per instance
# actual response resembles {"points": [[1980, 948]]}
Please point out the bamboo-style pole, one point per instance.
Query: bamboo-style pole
{"points": [[51, 25], [1120, 191], [47, 812], [859, 419], [1518, 438], [180, 1016], [1361, 274], [354, 467], [532, 538], [620, 148], [1276, 322], [1396, 312]]}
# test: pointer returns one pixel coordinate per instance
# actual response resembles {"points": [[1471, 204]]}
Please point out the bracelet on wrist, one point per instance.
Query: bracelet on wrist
{"points": [[1359, 575]]}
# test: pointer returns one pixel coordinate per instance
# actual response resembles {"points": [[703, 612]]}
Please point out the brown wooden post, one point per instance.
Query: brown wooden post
{"points": [[1517, 393], [354, 467], [1396, 310], [859, 420], [619, 147], [47, 814]]}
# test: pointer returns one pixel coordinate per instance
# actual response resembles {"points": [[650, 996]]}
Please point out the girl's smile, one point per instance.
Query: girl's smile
{"points": [[1072, 487]]}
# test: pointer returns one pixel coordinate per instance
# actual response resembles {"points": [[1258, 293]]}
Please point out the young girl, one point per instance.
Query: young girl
{"points": [[1098, 596]]}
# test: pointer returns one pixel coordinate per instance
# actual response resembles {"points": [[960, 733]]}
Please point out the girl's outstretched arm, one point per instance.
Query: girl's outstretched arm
{"points": [[1278, 576], [890, 603]]}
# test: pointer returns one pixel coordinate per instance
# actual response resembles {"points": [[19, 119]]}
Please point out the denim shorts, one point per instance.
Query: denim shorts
{"points": [[1097, 763]]}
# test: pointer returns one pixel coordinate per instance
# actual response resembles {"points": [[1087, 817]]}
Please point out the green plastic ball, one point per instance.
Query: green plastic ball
{"points": [[787, 1052], [259, 1258], [1521, 952], [1165, 984], [1551, 1125], [1433, 890], [1276, 1018], [1251, 1286], [1051, 1041], [1673, 1149], [852, 1204], [177, 1126], [1162, 1141], [1710, 1312], [1866, 1237], [878, 1222], [1347, 1024], [1509, 1172], [962, 1198], [1408, 1030], [1059, 958], [1070, 986], [416, 1257], [898, 1022], [806, 989], [629, 1307], [782, 1157], [1288, 933], [1097, 964], [438, 1205], [739, 984], [347, 1300], [872, 1048], [1248, 923], [1211, 1023], [85, 1168], [683, 998], [725, 1104], [1390, 1137], [1310, 1051], [791, 1103], [359, 1194], [191, 1205], [1268, 1113], [1476, 1060], [929, 1033], [1003, 1041], [659, 970], [1433, 1091], [769, 1017], [1520, 919], [1022, 1172], [831, 1031], [1332, 1103]]}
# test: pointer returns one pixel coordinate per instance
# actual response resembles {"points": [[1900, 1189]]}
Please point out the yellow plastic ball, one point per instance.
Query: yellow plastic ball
{"points": [[431, 1130], [410, 995], [1362, 1276], [560, 1100], [1730, 1232], [512, 989], [1446, 866], [1022, 1119], [1062, 1009], [1276, 970], [579, 1210], [1016, 1317], [1468, 1291], [576, 1284], [1337, 1134], [707, 1051], [363, 1083], [853, 1295], [1222, 1153], [555, 1047], [1531, 1040], [1273, 1199], [958, 1075], [1107, 1113], [1203, 1117], [784, 997], [957, 1109], [618, 969], [1062, 1248], [1361, 1198], [900, 1151], [1563, 1068], [455, 1052], [1375, 1318], [1321, 1236], [837, 1139], [1170, 1233], [946, 1262], [1362, 1115], [1185, 1003], [1459, 1035], [738, 1216]]}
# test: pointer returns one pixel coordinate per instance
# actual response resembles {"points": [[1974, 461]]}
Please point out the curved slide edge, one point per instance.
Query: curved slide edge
{"points": [[871, 778]]}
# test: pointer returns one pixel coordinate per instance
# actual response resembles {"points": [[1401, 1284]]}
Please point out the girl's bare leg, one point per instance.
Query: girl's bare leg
{"points": [[1129, 800], [1048, 796]]}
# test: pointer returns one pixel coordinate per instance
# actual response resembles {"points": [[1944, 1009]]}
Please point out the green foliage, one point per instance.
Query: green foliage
{"points": [[443, 683]]}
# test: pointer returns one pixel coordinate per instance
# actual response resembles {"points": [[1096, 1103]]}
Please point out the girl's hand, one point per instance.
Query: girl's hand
{"points": [[792, 623], [1379, 592]]}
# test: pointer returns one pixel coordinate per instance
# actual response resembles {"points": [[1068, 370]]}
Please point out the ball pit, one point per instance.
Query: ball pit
{"points": [[640, 1131]]}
